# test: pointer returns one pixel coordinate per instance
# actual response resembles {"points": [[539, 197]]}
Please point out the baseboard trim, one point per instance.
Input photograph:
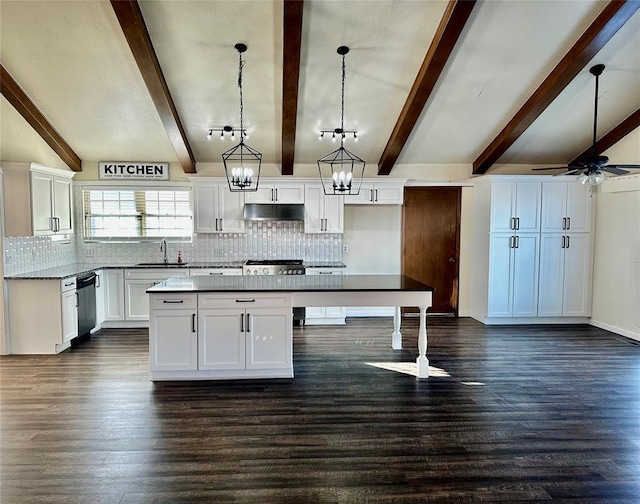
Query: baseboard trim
{"points": [[617, 330]]}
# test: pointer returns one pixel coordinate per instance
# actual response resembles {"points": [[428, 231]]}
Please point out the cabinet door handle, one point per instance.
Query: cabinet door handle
{"points": [[325, 273], [193, 322], [272, 195], [242, 322], [517, 242], [173, 301], [276, 194], [215, 273], [568, 222], [376, 191], [77, 299], [68, 284], [563, 242], [248, 322], [512, 241], [371, 195], [97, 281], [245, 300], [517, 223], [564, 223], [568, 241], [221, 227]]}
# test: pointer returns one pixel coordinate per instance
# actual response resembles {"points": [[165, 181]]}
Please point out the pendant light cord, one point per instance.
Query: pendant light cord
{"points": [[240, 65], [344, 75]]}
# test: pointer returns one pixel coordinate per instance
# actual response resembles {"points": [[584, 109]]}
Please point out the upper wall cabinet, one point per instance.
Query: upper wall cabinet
{"points": [[566, 207], [38, 200], [378, 193], [515, 206], [215, 208], [322, 214], [281, 192]]}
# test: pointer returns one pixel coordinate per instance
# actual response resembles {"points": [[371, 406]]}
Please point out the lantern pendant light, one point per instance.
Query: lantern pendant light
{"points": [[341, 171], [242, 163]]}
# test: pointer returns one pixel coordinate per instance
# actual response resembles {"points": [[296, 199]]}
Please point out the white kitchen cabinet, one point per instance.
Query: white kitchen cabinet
{"points": [[377, 193], [322, 214], [276, 192], [113, 298], [221, 344], [216, 209], [48, 326], [173, 333], [69, 305], [38, 200], [320, 315], [214, 271], [136, 283], [99, 298], [565, 275], [241, 333], [513, 275], [515, 206], [523, 275], [566, 207]]}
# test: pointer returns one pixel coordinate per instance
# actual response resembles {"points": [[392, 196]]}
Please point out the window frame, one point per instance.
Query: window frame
{"points": [[129, 186]]}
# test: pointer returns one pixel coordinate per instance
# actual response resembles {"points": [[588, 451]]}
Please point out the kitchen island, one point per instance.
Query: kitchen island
{"points": [[232, 327]]}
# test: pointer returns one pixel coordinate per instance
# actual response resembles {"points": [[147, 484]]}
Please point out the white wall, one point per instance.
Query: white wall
{"points": [[616, 280]]}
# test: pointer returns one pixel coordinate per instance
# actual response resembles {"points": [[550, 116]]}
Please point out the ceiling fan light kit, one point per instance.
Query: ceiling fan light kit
{"points": [[242, 163], [593, 165], [341, 171]]}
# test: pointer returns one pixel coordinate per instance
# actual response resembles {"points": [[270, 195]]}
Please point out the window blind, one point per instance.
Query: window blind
{"points": [[137, 214]]}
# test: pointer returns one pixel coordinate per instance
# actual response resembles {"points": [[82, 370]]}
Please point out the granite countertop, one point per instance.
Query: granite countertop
{"points": [[285, 283], [69, 270]]}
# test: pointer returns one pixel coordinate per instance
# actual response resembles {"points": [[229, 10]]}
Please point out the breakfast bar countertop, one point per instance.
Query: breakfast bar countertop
{"points": [[285, 283]]}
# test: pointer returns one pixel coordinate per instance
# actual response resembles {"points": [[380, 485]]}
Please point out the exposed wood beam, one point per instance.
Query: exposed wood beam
{"points": [[605, 26], [16, 96], [614, 136], [135, 31], [447, 34], [290, 78]]}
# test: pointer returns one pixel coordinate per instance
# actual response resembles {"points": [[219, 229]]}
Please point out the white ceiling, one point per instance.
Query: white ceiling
{"points": [[73, 61]]}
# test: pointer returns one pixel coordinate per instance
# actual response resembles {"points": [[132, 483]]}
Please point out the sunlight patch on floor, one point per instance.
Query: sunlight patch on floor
{"points": [[472, 383], [409, 368]]}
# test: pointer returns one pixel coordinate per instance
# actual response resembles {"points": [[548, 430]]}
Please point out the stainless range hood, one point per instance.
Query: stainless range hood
{"points": [[266, 211]]}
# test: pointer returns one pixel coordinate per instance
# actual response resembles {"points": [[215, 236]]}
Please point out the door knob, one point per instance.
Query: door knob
{"points": [[452, 259]]}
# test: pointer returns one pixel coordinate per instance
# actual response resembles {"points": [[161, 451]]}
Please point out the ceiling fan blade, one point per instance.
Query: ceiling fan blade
{"points": [[625, 166], [551, 168], [614, 169], [573, 172]]}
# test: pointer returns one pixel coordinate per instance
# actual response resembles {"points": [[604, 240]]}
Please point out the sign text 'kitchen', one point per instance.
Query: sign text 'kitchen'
{"points": [[115, 170]]}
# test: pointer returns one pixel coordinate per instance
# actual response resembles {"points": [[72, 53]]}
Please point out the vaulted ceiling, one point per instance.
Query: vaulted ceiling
{"points": [[427, 82]]}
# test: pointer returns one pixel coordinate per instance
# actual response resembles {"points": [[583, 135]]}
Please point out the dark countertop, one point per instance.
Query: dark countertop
{"points": [[69, 270], [285, 283]]}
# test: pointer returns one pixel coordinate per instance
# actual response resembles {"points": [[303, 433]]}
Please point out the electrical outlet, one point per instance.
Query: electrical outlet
{"points": [[8, 257], [345, 248]]}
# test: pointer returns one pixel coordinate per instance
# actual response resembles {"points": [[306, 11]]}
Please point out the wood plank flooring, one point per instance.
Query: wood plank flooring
{"points": [[527, 414]]}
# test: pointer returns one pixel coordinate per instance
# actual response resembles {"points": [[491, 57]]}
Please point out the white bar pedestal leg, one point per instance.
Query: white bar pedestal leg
{"points": [[422, 362], [396, 338]]}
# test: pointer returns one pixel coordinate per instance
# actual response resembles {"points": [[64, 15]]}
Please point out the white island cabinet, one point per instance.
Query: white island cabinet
{"points": [[243, 324]]}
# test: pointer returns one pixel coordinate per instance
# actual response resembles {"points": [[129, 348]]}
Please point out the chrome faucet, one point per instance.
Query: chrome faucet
{"points": [[163, 248]]}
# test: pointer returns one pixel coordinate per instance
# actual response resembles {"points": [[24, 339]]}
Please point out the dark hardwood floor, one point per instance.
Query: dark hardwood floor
{"points": [[528, 414]]}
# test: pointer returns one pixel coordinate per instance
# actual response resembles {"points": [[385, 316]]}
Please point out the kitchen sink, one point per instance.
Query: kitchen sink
{"points": [[162, 264]]}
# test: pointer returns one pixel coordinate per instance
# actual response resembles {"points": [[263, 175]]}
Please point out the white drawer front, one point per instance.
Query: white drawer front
{"points": [[67, 284], [241, 300], [173, 301]]}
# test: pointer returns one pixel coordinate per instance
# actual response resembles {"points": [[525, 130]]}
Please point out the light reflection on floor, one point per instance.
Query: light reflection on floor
{"points": [[409, 368]]}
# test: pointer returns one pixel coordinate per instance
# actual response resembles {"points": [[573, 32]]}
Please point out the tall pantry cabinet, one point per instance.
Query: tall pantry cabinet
{"points": [[532, 250]]}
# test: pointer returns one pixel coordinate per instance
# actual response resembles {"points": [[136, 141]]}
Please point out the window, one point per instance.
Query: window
{"points": [[137, 214]]}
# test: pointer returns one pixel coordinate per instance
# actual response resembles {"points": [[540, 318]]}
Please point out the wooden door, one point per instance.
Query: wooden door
{"points": [[431, 242]]}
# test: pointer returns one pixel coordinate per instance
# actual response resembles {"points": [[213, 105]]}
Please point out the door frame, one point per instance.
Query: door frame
{"points": [[458, 190]]}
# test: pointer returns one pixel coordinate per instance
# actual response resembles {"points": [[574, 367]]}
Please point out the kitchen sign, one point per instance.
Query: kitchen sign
{"points": [[117, 170]]}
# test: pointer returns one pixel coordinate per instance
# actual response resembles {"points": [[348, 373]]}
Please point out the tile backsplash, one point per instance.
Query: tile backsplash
{"points": [[262, 240]]}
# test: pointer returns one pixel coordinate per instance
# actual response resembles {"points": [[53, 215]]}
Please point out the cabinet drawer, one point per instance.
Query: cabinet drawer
{"points": [[67, 284], [242, 300], [153, 274], [173, 301]]}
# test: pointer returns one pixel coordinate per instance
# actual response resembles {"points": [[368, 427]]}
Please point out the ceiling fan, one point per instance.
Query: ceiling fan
{"points": [[591, 167]]}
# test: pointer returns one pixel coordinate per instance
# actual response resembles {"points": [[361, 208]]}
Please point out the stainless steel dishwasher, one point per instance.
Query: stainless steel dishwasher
{"points": [[86, 290]]}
